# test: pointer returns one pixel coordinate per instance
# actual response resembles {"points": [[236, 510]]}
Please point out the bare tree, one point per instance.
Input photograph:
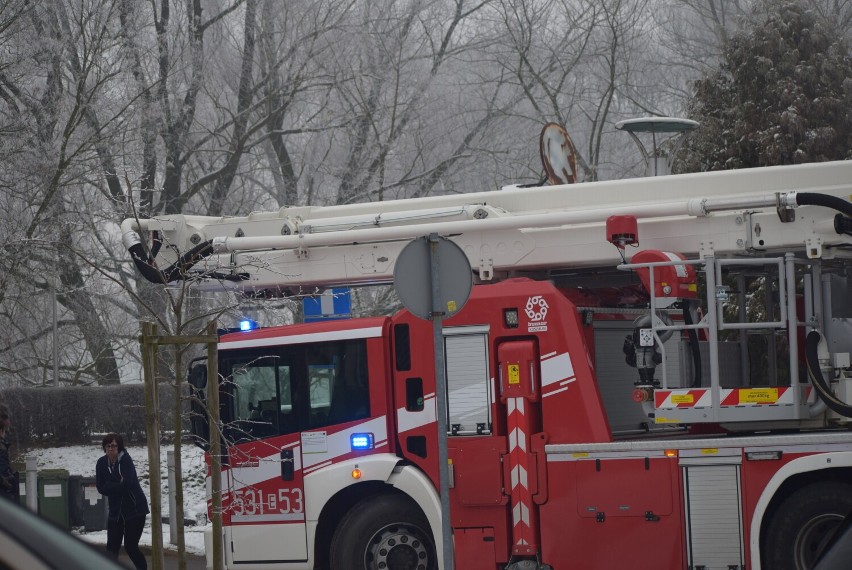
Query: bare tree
{"points": [[52, 95], [836, 14], [575, 62], [691, 37], [399, 88]]}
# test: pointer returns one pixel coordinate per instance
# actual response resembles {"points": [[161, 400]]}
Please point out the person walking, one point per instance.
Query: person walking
{"points": [[8, 478], [115, 477]]}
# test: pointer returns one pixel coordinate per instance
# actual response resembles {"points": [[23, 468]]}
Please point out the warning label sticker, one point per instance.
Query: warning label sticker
{"points": [[758, 395], [514, 374]]}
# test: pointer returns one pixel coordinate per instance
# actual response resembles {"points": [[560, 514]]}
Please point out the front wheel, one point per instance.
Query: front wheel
{"points": [[803, 523], [387, 532]]}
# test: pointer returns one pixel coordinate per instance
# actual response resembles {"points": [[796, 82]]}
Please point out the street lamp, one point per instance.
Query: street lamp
{"points": [[658, 162]]}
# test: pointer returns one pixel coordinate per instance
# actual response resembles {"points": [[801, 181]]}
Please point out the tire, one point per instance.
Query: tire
{"points": [[803, 523], [387, 532]]}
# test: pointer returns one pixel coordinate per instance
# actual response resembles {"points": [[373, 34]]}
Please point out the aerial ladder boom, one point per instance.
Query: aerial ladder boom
{"points": [[802, 209]]}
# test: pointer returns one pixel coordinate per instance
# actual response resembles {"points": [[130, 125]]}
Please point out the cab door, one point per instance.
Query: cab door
{"points": [[264, 504]]}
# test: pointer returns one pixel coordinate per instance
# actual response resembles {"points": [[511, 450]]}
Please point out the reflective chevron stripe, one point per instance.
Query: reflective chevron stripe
{"points": [[702, 398], [524, 526]]}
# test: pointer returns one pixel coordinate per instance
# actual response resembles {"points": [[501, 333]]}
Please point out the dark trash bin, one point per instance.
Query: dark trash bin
{"points": [[53, 496], [75, 502], [93, 505], [20, 470]]}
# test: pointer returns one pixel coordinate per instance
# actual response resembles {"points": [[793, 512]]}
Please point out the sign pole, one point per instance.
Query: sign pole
{"points": [[441, 396], [433, 278]]}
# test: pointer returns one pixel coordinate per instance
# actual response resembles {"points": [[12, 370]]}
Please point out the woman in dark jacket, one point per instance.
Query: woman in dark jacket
{"points": [[128, 508]]}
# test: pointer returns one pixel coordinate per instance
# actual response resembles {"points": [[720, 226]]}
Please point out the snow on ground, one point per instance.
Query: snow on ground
{"points": [[81, 459]]}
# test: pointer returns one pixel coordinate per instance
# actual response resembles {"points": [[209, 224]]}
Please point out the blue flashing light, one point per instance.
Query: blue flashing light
{"points": [[247, 325], [361, 441]]}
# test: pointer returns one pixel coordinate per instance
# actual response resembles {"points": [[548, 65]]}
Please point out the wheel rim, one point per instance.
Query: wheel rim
{"points": [[812, 537], [398, 546]]}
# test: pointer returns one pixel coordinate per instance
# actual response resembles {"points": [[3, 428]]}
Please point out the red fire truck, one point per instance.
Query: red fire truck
{"points": [[686, 406]]}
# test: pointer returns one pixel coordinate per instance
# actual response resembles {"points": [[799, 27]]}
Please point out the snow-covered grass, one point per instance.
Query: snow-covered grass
{"points": [[81, 459]]}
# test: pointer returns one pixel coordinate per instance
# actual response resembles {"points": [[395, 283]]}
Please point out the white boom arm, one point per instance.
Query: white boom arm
{"points": [[510, 230]]}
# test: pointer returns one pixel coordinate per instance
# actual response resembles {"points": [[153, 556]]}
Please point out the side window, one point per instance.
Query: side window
{"points": [[402, 347], [261, 402], [338, 387], [320, 382], [254, 390], [288, 421], [299, 387]]}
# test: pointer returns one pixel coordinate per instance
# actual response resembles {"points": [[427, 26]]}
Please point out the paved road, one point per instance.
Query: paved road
{"points": [[171, 561]]}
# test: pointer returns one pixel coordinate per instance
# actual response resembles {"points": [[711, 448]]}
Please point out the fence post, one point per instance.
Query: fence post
{"points": [[152, 429], [173, 519], [215, 446]]}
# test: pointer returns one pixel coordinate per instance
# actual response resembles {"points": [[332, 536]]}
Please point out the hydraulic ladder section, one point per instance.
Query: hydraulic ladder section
{"points": [[502, 232]]}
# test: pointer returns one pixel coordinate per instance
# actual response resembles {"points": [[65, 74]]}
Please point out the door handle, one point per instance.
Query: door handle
{"points": [[288, 467]]}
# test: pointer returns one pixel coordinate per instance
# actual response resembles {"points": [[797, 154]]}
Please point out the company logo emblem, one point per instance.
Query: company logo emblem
{"points": [[536, 310]]}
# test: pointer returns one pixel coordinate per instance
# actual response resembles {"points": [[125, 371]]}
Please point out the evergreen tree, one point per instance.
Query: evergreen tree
{"points": [[782, 95]]}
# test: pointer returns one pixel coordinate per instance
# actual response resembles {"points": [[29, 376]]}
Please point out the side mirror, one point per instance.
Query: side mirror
{"points": [[198, 376]]}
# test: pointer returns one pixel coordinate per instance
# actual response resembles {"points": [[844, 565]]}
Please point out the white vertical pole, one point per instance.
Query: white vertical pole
{"points": [[32, 484]]}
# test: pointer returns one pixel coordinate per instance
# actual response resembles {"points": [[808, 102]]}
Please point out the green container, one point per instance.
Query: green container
{"points": [[91, 504], [53, 496], [21, 468]]}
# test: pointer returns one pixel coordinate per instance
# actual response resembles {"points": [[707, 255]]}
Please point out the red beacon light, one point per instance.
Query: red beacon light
{"points": [[673, 280], [622, 231]]}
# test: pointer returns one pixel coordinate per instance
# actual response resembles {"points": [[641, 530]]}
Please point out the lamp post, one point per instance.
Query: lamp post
{"points": [[658, 162]]}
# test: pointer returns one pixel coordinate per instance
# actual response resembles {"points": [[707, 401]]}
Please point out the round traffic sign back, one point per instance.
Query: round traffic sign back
{"points": [[412, 277]]}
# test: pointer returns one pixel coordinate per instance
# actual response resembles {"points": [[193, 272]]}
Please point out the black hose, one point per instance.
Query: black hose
{"points": [[174, 272], [833, 202], [842, 224], [693, 343], [156, 244], [819, 383]]}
